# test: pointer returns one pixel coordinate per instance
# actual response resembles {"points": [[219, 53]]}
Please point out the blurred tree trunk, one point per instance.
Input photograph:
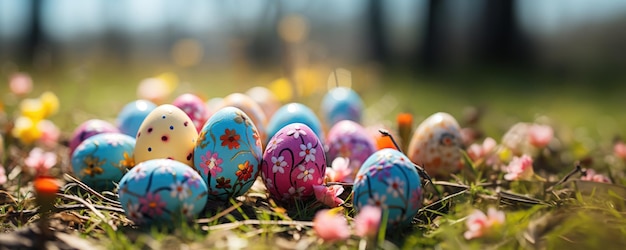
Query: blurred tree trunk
{"points": [[34, 39], [430, 54], [379, 49]]}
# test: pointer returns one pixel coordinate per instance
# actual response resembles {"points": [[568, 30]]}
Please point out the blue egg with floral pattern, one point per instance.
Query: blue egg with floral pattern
{"points": [[341, 103], [132, 115], [102, 160], [389, 180], [228, 153], [294, 113], [162, 191]]}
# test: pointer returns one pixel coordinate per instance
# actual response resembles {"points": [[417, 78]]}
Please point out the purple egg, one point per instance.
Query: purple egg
{"points": [[88, 129], [350, 140]]}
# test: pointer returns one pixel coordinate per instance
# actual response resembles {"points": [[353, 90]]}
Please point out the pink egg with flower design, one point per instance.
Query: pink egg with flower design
{"points": [[194, 107], [293, 162], [350, 140]]}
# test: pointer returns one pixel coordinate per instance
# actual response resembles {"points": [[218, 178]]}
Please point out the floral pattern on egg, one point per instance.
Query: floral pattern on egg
{"points": [[436, 145], [389, 180], [103, 159], [161, 191], [166, 133], [194, 107], [293, 162], [228, 153], [350, 140]]}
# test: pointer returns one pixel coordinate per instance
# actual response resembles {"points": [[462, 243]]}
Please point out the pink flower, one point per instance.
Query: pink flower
{"points": [[3, 175], [593, 176], [211, 163], [328, 195], [40, 162], [20, 84], [50, 133], [619, 149], [479, 224], [540, 135], [152, 204], [340, 170], [520, 168], [330, 226], [476, 151], [366, 223]]}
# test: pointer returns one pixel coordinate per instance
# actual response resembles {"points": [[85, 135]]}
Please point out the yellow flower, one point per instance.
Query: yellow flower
{"points": [[128, 162], [33, 109], [50, 103], [26, 130]]}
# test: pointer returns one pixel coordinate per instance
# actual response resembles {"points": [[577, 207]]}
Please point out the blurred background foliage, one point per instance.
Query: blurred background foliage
{"points": [[518, 60]]}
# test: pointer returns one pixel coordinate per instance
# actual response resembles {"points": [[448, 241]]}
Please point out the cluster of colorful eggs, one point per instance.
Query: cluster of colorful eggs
{"points": [[168, 161]]}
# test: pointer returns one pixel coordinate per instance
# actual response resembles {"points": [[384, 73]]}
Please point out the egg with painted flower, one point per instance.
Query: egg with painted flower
{"points": [[228, 153], [166, 133], [436, 145], [194, 107], [162, 191], [293, 162], [390, 181], [248, 106], [350, 140], [100, 161]]}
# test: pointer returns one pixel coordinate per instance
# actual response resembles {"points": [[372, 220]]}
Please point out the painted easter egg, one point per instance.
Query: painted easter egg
{"points": [[228, 153], [102, 160], [436, 145], [390, 181], [294, 113], [88, 129], [350, 140], [194, 107], [293, 162], [167, 132], [265, 98], [341, 103], [162, 191], [250, 107], [131, 116]]}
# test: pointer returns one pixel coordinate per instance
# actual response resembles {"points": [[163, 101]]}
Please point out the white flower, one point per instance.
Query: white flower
{"points": [[308, 152], [187, 210], [278, 164], [133, 212], [306, 174], [273, 144], [395, 187], [139, 174], [378, 200], [180, 190], [296, 132], [293, 192]]}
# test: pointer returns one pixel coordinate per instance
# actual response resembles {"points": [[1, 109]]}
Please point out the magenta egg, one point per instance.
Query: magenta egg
{"points": [[293, 162], [350, 140], [88, 129], [194, 107]]}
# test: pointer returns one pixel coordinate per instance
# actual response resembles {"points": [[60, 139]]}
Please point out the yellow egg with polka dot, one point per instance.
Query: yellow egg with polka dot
{"points": [[166, 133]]}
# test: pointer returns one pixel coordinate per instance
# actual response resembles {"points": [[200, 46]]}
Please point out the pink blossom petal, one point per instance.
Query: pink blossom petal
{"points": [[328, 195], [619, 149], [540, 135], [330, 226], [20, 84], [367, 222]]}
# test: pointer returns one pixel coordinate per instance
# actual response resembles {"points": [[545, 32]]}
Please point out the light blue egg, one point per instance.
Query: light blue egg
{"points": [[102, 160], [162, 191], [294, 113], [228, 153], [132, 115], [390, 181], [341, 103]]}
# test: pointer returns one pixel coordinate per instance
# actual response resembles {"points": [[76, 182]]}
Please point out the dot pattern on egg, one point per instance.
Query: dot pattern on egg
{"points": [[163, 137]]}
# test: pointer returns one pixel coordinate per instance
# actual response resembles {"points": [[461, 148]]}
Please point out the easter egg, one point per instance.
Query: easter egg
{"points": [[88, 129], [293, 162], [341, 103], [162, 191], [350, 140], [265, 98], [228, 153], [390, 181], [250, 107], [436, 145], [194, 107], [131, 116], [294, 113], [167, 132], [102, 160]]}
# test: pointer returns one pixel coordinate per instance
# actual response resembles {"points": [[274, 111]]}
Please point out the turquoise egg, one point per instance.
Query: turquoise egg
{"points": [[341, 103], [389, 180], [102, 160], [129, 119], [88, 129], [228, 153], [294, 113], [162, 191]]}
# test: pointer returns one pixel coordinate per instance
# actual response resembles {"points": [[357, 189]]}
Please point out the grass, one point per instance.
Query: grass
{"points": [[585, 120]]}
